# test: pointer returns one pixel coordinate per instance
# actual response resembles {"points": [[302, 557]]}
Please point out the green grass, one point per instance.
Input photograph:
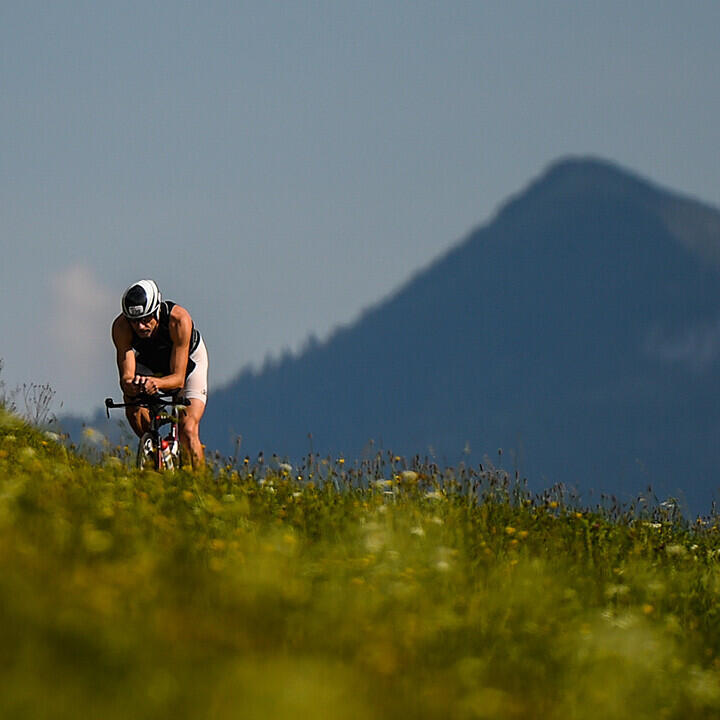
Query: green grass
{"points": [[252, 593]]}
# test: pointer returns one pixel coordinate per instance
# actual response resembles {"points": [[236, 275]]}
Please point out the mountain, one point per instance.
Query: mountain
{"points": [[579, 331]]}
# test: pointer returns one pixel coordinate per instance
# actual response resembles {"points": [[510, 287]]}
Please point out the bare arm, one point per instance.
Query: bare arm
{"points": [[122, 339]]}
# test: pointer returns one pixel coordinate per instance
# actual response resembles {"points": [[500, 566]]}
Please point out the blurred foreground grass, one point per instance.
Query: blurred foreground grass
{"points": [[252, 593]]}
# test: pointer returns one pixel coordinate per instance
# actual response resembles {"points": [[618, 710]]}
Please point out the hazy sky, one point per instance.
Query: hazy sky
{"points": [[279, 166]]}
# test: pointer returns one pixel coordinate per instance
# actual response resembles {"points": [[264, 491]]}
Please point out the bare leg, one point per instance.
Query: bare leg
{"points": [[139, 419], [190, 431]]}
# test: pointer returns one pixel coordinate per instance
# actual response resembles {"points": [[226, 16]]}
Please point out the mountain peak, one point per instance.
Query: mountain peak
{"points": [[693, 224], [587, 165], [573, 176], [584, 166]]}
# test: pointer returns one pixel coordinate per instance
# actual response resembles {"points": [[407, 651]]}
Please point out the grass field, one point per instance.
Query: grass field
{"points": [[277, 592]]}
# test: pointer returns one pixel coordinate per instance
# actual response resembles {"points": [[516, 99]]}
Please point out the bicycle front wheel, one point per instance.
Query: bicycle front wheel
{"points": [[148, 457]]}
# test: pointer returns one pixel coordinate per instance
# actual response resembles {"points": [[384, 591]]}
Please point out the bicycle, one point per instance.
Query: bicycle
{"points": [[154, 451]]}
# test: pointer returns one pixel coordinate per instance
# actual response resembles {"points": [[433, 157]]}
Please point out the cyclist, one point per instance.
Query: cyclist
{"points": [[159, 349]]}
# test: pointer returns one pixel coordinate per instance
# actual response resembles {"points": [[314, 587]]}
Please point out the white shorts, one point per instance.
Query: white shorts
{"points": [[196, 383]]}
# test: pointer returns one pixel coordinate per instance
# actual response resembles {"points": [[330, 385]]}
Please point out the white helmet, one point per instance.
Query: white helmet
{"points": [[141, 300]]}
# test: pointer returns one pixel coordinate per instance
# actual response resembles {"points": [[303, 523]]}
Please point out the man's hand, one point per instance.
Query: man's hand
{"points": [[144, 384]]}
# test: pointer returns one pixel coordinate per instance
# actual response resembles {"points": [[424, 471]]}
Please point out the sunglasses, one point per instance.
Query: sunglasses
{"points": [[146, 320]]}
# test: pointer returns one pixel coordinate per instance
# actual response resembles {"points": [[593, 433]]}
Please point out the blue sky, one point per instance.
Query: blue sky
{"points": [[278, 167]]}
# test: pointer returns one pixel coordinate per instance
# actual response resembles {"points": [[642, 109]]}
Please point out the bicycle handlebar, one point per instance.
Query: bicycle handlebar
{"points": [[145, 400]]}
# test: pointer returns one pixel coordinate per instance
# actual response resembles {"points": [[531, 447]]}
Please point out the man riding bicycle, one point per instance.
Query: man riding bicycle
{"points": [[159, 349]]}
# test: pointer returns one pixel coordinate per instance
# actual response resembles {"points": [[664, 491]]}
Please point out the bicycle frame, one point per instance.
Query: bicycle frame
{"points": [[161, 453]]}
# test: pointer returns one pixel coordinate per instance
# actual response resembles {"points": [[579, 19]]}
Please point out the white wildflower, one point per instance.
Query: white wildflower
{"points": [[27, 453], [612, 591], [444, 556], [676, 550], [93, 436], [382, 483], [375, 538]]}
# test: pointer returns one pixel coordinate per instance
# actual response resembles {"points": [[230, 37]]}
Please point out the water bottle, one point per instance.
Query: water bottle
{"points": [[167, 454]]}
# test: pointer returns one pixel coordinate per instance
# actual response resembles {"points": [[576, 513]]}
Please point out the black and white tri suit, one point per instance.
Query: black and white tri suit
{"points": [[152, 355]]}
